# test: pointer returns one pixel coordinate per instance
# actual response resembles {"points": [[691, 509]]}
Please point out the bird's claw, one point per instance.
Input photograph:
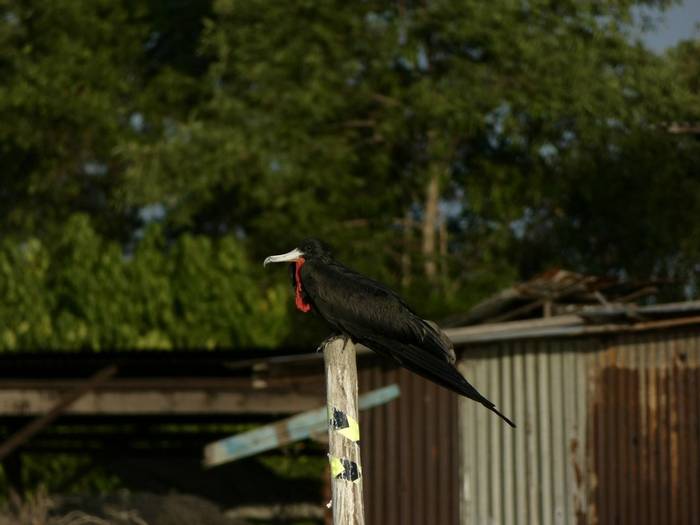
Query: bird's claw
{"points": [[331, 338]]}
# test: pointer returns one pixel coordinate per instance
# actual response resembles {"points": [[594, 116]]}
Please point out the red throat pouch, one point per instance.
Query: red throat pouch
{"points": [[298, 298]]}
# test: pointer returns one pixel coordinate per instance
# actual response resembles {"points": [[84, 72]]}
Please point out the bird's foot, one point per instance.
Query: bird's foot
{"points": [[331, 338]]}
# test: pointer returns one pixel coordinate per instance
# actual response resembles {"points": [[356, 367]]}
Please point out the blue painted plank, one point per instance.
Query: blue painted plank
{"points": [[286, 431]]}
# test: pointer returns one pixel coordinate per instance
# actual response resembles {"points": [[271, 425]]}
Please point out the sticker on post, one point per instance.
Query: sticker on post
{"points": [[343, 424], [343, 468]]}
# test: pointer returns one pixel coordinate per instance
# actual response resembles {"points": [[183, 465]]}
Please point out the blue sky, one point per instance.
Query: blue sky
{"points": [[679, 23]]}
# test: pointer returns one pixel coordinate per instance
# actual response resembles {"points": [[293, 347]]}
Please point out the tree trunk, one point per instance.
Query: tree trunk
{"points": [[430, 223], [406, 253], [444, 270]]}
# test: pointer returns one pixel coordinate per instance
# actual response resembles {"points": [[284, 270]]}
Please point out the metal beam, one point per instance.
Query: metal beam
{"points": [[508, 331], [286, 431]]}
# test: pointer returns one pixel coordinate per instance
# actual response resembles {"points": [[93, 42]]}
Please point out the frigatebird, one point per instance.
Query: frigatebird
{"points": [[375, 316]]}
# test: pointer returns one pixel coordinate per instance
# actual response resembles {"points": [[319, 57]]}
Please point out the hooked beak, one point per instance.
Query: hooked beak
{"points": [[295, 254]]}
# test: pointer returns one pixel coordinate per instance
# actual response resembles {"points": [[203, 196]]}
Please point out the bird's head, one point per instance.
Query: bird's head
{"points": [[308, 249]]}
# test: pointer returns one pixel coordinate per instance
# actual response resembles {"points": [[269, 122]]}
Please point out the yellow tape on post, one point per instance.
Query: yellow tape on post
{"points": [[343, 468], [336, 466], [345, 425]]}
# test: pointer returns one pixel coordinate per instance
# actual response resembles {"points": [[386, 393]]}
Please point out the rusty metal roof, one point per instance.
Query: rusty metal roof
{"points": [[554, 292], [560, 303]]}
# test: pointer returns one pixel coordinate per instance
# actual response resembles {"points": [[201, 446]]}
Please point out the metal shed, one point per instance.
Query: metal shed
{"points": [[606, 403]]}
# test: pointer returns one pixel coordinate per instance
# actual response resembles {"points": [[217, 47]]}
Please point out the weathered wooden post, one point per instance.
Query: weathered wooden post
{"points": [[343, 432]]}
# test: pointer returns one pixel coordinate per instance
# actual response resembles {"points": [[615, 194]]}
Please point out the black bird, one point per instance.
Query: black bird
{"points": [[369, 313]]}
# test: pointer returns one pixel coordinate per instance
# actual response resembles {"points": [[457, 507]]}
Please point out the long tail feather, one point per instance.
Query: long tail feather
{"points": [[433, 368]]}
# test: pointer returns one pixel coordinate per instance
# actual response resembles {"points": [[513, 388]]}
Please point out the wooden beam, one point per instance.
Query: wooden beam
{"points": [[32, 402], [37, 425], [287, 431], [227, 384]]}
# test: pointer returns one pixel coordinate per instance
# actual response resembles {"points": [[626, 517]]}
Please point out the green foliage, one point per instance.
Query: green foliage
{"points": [[253, 124], [82, 292], [67, 473], [65, 70], [686, 70], [64, 473], [525, 113], [296, 463]]}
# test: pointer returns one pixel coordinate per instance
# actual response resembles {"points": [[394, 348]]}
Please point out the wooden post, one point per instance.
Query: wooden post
{"points": [[343, 432]]}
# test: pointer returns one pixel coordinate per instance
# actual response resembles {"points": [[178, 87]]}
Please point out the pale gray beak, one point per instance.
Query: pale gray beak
{"points": [[285, 257]]}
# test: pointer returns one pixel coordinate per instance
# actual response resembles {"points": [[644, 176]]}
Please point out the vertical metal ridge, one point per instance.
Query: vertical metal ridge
{"points": [[445, 431], [544, 431], [633, 414], [520, 412], [455, 440], [646, 426], [652, 429], [663, 432], [684, 447], [612, 441], [480, 478], [495, 449], [693, 459], [693, 357], [507, 406], [377, 433], [418, 445], [532, 458], [671, 458], [468, 447], [559, 459], [430, 458], [392, 456], [568, 392]]}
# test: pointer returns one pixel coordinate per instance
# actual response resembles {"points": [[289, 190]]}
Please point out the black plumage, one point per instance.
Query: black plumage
{"points": [[372, 314]]}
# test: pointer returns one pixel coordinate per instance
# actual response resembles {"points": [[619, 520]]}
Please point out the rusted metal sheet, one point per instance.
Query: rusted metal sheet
{"points": [[608, 430], [645, 431], [409, 451]]}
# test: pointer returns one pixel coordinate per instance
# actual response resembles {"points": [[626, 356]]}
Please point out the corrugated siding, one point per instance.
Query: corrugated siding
{"points": [[608, 431], [409, 451]]}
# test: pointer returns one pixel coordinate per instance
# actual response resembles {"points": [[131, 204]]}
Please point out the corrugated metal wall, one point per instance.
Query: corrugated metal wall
{"points": [[608, 431], [409, 450]]}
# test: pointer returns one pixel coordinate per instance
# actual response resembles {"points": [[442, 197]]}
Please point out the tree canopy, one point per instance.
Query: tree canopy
{"points": [[153, 152]]}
